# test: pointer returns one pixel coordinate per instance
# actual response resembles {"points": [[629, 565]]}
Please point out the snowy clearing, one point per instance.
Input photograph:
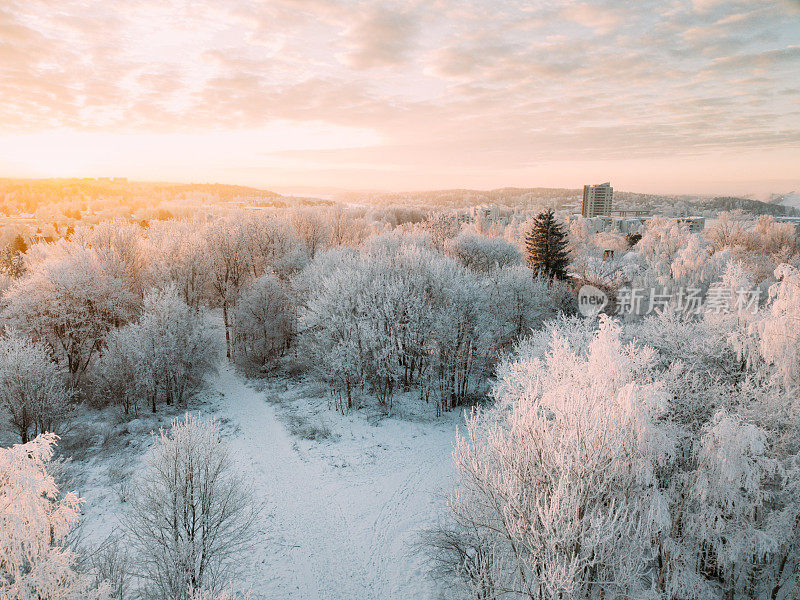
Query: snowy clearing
{"points": [[341, 512]]}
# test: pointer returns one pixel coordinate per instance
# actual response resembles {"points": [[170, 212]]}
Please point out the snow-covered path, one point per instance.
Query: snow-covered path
{"points": [[340, 517]]}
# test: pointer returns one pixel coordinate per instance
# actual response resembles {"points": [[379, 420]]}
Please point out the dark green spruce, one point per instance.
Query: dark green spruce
{"points": [[546, 247]]}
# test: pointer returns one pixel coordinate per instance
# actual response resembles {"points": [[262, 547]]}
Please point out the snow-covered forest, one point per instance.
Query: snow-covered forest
{"points": [[311, 402]]}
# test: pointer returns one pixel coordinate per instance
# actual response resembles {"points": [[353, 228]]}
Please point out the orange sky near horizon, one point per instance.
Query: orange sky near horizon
{"points": [[683, 96]]}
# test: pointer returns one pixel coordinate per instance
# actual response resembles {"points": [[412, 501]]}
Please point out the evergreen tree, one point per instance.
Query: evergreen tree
{"points": [[546, 247], [19, 245], [632, 239]]}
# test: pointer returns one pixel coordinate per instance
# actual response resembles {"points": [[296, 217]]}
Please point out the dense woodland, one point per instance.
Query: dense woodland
{"points": [[617, 456]]}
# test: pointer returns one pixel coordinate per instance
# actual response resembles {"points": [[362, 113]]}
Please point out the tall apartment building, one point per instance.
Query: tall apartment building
{"points": [[597, 200]]}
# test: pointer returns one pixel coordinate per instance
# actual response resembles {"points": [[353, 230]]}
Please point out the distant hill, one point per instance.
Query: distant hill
{"points": [[563, 199], [748, 205], [26, 195], [463, 198], [93, 187]]}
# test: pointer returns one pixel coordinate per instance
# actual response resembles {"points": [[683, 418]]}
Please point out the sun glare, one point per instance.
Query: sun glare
{"points": [[66, 153]]}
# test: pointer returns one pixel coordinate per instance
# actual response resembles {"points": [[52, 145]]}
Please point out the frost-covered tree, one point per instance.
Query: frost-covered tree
{"points": [[455, 341], [345, 227], [516, 303], [546, 251], [191, 515], [179, 343], [559, 481], [441, 226], [230, 267], [119, 243], [71, 301], [176, 255], [123, 374], [482, 253], [611, 470], [771, 237], [728, 230], [271, 244], [263, 322], [35, 563], [162, 357], [731, 307], [12, 256], [661, 242], [393, 315], [780, 327], [34, 389], [690, 263], [312, 229], [111, 564], [328, 324]]}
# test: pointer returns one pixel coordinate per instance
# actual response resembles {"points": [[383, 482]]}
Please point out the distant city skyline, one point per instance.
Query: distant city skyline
{"points": [[683, 97]]}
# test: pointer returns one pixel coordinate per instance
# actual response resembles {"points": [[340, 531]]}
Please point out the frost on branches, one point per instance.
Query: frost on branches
{"points": [[589, 480], [34, 520], [397, 315], [558, 482], [33, 388], [70, 300], [162, 357], [780, 330], [191, 516]]}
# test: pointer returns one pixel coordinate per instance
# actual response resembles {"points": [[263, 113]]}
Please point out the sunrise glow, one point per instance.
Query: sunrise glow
{"points": [[683, 96]]}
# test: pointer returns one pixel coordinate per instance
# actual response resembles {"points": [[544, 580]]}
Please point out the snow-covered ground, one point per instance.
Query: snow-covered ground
{"points": [[344, 497]]}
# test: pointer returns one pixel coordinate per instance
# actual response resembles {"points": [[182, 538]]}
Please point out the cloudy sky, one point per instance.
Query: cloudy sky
{"points": [[666, 95]]}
